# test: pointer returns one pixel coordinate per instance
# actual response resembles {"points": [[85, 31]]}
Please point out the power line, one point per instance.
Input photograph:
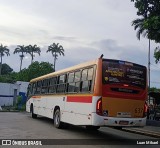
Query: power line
{"points": [[155, 82], [155, 66]]}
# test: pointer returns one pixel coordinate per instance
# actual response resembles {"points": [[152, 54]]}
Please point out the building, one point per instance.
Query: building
{"points": [[9, 92]]}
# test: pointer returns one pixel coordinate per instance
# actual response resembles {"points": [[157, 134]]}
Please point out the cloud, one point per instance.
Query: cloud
{"points": [[85, 29]]}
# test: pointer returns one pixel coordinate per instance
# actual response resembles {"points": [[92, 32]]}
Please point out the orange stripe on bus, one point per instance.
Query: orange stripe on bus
{"points": [[36, 97], [79, 99]]}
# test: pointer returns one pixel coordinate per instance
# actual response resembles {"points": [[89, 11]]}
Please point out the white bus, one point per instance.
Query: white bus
{"points": [[102, 92]]}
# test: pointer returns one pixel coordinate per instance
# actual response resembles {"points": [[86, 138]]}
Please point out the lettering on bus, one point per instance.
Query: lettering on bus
{"points": [[115, 73], [132, 74], [138, 110]]}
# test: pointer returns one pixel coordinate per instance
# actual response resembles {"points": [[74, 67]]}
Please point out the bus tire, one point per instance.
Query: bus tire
{"points": [[57, 119], [32, 112], [90, 127]]}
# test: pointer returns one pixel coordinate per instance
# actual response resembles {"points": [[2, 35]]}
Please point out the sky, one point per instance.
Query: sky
{"points": [[85, 28]]}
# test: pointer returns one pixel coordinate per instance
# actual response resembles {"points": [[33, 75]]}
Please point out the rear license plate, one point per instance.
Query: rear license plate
{"points": [[123, 122]]}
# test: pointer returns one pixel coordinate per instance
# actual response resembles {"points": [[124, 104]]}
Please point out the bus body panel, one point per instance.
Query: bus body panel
{"points": [[115, 121], [77, 110], [119, 107]]}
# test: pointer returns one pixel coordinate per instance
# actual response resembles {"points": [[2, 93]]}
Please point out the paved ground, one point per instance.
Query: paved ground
{"points": [[22, 126]]}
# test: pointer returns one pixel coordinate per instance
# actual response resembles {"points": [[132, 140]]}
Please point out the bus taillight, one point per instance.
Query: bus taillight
{"points": [[99, 107], [126, 85], [145, 110]]}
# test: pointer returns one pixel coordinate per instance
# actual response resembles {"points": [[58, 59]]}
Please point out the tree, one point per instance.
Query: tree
{"points": [[139, 24], [154, 89], [22, 50], [8, 78], [34, 70], [157, 54], [33, 49], [55, 49], [3, 50], [149, 23], [6, 69]]}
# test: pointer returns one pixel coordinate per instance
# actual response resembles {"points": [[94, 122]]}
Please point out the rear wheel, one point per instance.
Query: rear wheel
{"points": [[57, 119], [32, 112], [90, 127]]}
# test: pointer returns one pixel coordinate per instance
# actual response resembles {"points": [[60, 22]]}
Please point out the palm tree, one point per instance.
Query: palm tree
{"points": [[33, 49], [22, 50], [55, 49], [140, 25], [3, 50]]}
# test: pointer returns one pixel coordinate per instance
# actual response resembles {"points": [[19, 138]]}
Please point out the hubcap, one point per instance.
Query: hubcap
{"points": [[57, 119]]}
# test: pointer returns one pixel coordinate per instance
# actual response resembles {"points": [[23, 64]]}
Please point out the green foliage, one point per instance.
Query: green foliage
{"points": [[22, 50], [36, 69], [3, 50], [157, 54], [149, 23], [9, 78], [33, 49], [55, 49], [19, 99], [20, 105], [6, 69], [154, 89]]}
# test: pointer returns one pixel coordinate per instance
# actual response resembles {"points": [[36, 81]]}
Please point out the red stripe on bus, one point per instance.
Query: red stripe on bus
{"points": [[80, 99], [36, 97]]}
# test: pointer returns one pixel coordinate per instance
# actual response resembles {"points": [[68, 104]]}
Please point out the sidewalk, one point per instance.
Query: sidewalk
{"points": [[152, 129], [153, 123]]}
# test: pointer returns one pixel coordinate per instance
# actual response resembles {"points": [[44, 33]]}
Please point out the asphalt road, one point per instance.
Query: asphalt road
{"points": [[21, 126]]}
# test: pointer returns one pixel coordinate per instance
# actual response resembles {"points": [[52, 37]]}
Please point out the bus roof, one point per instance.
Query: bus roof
{"points": [[76, 67]]}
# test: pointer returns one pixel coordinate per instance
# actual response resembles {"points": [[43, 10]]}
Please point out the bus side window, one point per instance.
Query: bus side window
{"points": [[90, 78], [29, 90], [44, 86], [61, 86], [74, 82], [77, 81], [71, 84], [52, 86], [34, 88], [38, 87], [86, 81]]}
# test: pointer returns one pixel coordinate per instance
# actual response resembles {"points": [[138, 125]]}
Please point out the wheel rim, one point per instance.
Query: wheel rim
{"points": [[57, 119]]}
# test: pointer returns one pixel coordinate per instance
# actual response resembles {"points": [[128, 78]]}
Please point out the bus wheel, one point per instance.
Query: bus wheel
{"points": [[57, 120], [32, 112], [90, 127]]}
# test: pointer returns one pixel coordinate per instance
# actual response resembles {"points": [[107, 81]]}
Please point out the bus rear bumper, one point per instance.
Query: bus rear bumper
{"points": [[121, 122]]}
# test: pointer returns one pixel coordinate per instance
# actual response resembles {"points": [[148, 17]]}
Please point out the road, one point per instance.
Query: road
{"points": [[20, 125]]}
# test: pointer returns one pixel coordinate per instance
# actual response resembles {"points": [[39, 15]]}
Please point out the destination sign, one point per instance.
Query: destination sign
{"points": [[115, 72]]}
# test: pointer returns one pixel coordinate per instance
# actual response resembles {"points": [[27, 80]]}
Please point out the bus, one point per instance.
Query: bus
{"points": [[102, 92]]}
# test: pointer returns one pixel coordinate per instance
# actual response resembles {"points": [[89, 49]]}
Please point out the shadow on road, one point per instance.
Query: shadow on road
{"points": [[93, 137]]}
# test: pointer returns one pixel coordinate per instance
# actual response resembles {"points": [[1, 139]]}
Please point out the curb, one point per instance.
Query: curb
{"points": [[153, 123], [9, 111], [143, 132]]}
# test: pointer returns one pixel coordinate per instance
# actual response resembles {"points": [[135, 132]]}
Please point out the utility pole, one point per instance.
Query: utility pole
{"points": [[149, 63]]}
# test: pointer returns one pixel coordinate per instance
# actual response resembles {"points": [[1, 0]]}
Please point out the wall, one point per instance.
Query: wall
{"points": [[7, 92]]}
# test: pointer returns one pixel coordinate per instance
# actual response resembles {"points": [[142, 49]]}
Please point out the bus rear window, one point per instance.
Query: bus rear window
{"points": [[120, 72]]}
